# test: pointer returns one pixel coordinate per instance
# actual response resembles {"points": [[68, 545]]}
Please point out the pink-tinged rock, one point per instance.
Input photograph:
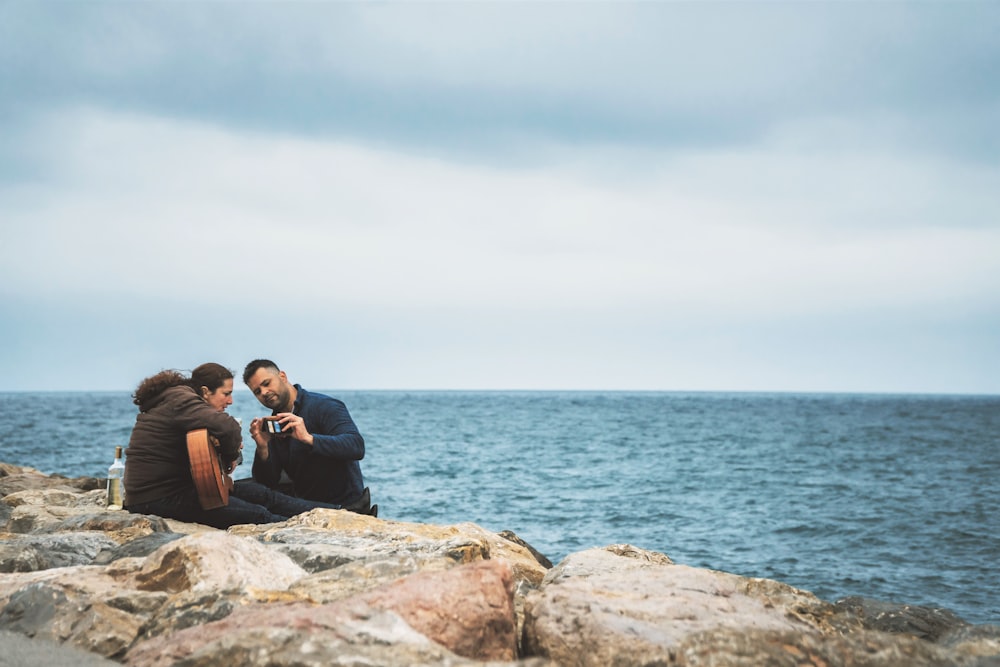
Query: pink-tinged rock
{"points": [[298, 635], [467, 610]]}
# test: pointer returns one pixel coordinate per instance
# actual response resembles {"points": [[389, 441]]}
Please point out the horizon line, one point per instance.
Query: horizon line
{"points": [[844, 392]]}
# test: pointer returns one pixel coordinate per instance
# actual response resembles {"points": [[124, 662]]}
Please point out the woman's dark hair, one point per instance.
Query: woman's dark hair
{"points": [[210, 375], [155, 385]]}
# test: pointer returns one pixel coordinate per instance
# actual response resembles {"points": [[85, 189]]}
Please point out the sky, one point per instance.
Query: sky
{"points": [[678, 196]]}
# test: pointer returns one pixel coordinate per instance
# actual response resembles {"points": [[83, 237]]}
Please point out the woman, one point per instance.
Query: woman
{"points": [[157, 468], [214, 383]]}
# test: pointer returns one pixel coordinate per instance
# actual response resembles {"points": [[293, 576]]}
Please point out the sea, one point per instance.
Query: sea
{"points": [[891, 497]]}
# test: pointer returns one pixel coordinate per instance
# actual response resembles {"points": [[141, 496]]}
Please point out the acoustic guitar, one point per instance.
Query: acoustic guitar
{"points": [[212, 482]]}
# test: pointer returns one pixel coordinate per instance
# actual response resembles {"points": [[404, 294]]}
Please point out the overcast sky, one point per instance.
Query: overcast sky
{"points": [[661, 195]]}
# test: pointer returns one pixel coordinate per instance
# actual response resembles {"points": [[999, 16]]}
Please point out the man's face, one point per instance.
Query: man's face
{"points": [[272, 389]]}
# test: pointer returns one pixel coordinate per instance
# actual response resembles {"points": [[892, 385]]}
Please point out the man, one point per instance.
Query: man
{"points": [[310, 437]]}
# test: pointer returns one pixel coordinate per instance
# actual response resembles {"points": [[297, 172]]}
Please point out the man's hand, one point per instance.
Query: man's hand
{"points": [[292, 424], [261, 439]]}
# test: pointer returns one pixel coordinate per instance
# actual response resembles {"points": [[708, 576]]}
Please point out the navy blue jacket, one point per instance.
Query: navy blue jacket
{"points": [[327, 471]]}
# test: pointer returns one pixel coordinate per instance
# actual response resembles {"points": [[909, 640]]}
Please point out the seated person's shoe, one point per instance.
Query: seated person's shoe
{"points": [[362, 505], [374, 511]]}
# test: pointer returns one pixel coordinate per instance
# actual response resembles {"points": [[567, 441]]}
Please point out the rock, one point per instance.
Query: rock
{"points": [[121, 526], [467, 610], [981, 642], [512, 537], [728, 647], [56, 527], [297, 636], [56, 612], [333, 587], [26, 553], [216, 562], [626, 607], [188, 610], [18, 478], [355, 577], [137, 548], [35, 510], [322, 539], [19, 651], [599, 605], [922, 622]]}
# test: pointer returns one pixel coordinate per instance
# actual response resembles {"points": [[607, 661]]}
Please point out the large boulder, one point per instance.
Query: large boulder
{"points": [[216, 561], [600, 605], [323, 539], [20, 651], [467, 610], [297, 636], [26, 553], [90, 608], [624, 606], [333, 587]]}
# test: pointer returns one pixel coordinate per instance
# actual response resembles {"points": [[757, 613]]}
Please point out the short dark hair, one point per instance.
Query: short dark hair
{"points": [[255, 366]]}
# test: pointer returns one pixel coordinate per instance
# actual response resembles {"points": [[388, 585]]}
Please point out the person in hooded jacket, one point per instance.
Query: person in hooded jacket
{"points": [[157, 467]]}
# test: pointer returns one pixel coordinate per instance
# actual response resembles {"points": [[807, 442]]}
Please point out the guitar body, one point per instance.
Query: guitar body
{"points": [[211, 481]]}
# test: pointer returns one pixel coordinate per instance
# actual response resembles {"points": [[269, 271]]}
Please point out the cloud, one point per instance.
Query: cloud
{"points": [[637, 195], [493, 79], [149, 206]]}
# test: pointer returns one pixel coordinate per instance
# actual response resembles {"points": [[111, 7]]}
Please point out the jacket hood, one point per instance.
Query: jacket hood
{"points": [[158, 399]]}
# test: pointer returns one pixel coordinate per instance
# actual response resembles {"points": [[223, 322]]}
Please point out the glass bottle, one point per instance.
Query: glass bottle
{"points": [[116, 482]]}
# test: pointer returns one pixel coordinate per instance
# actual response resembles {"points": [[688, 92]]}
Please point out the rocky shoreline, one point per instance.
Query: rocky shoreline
{"points": [[85, 586]]}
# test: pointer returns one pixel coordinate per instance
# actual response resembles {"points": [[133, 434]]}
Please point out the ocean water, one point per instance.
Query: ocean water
{"points": [[891, 497]]}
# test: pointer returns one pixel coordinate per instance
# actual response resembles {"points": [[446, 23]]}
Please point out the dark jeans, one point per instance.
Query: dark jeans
{"points": [[249, 502], [277, 502], [184, 506]]}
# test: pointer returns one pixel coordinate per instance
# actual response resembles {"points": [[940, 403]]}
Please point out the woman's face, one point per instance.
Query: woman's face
{"points": [[221, 398]]}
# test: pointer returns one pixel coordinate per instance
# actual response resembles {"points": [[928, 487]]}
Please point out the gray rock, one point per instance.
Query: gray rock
{"points": [[345, 638], [728, 647], [113, 523], [32, 608], [979, 642], [539, 556], [333, 587], [189, 610], [365, 574], [626, 606], [140, 547], [20, 651], [923, 622], [16, 478], [28, 553], [58, 613], [37, 509], [216, 562], [334, 538]]}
